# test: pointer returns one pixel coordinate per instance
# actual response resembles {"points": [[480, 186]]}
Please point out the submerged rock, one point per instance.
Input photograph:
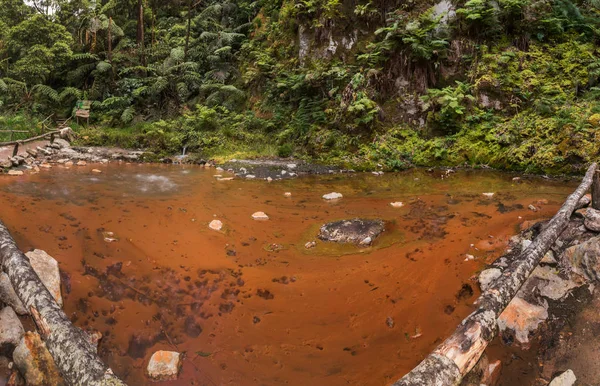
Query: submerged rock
{"points": [[567, 378], [9, 296], [35, 362], [46, 268], [15, 173], [356, 231], [164, 365], [397, 204], [11, 330], [521, 318]]}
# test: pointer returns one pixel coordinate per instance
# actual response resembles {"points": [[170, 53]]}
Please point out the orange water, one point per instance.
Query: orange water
{"points": [[250, 305]]}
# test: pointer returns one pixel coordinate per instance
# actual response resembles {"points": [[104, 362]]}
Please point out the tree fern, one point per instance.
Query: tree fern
{"points": [[46, 91]]}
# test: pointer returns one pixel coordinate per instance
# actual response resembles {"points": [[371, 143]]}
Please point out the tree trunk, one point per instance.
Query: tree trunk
{"points": [[596, 191], [140, 30], [73, 354], [457, 355], [187, 35]]}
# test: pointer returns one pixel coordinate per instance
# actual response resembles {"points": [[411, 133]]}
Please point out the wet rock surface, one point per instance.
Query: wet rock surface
{"points": [[11, 330], [35, 363], [520, 319], [164, 365], [355, 231], [8, 295], [46, 268], [567, 378], [276, 169]]}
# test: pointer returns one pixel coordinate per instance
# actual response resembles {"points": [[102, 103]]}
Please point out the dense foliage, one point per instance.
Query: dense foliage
{"points": [[507, 83]]}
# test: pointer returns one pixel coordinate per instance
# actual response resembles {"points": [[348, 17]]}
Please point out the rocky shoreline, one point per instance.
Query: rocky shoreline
{"points": [[551, 296]]}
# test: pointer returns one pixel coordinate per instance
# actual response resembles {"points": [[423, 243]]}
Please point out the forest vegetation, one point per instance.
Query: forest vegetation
{"points": [[509, 84]]}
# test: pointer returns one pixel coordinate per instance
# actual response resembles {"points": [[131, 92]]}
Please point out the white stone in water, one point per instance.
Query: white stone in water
{"points": [[250, 176], [96, 171], [287, 194], [310, 245], [292, 166], [46, 268], [333, 196], [283, 172], [269, 179], [488, 195], [216, 225], [15, 173], [397, 204], [225, 179], [219, 169], [567, 378], [469, 257], [260, 216], [81, 163], [366, 241], [164, 365]]}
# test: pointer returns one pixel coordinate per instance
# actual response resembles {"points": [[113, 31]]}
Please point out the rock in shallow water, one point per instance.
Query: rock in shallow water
{"points": [[333, 196], [164, 365], [565, 379], [35, 362], [215, 225], [261, 216], [46, 268], [355, 231]]}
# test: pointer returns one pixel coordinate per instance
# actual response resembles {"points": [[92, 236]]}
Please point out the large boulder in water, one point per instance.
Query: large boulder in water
{"points": [[355, 231]]}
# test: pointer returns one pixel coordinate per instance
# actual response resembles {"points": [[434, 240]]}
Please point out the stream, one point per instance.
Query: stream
{"points": [[250, 305]]}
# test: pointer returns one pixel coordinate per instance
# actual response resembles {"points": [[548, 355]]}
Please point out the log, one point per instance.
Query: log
{"points": [[596, 191], [457, 355], [29, 139], [74, 355]]}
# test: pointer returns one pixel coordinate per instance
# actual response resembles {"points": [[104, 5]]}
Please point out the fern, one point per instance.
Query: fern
{"points": [[46, 91], [128, 114]]}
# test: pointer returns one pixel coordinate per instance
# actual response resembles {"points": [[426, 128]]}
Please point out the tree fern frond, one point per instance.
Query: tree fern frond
{"points": [[46, 91]]}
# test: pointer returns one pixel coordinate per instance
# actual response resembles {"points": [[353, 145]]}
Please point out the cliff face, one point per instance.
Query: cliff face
{"points": [[501, 83]]}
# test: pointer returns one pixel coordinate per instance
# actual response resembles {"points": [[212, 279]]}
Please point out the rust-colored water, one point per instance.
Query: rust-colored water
{"points": [[251, 306]]}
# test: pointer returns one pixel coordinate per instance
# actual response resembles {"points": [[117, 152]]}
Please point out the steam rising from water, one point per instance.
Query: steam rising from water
{"points": [[153, 182]]}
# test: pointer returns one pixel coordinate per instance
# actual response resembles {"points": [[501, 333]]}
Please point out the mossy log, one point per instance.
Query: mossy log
{"points": [[457, 355], [74, 355]]}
